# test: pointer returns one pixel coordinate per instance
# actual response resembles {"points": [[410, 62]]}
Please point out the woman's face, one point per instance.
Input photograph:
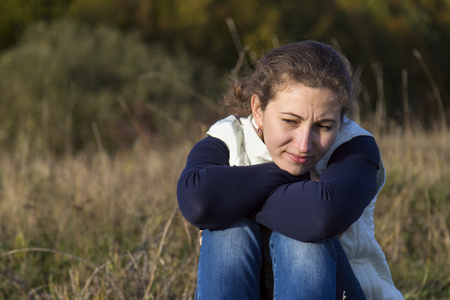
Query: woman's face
{"points": [[299, 126]]}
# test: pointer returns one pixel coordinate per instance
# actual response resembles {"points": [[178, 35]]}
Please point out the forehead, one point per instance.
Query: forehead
{"points": [[298, 97]]}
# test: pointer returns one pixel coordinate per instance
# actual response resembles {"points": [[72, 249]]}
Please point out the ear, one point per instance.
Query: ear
{"points": [[257, 111]]}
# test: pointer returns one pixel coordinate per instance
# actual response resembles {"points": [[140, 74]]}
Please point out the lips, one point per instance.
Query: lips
{"points": [[299, 159]]}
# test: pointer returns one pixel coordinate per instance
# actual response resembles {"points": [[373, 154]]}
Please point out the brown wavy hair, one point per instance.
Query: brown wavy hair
{"points": [[310, 63]]}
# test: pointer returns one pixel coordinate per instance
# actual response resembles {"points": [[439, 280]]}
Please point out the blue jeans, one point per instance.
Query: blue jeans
{"points": [[231, 260]]}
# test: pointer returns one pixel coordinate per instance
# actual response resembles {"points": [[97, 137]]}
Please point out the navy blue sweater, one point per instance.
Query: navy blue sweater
{"points": [[211, 194]]}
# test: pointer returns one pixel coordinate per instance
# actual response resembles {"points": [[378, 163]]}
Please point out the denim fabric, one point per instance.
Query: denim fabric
{"points": [[231, 259], [303, 270], [230, 263]]}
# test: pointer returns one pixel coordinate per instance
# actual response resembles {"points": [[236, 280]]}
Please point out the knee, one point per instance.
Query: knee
{"points": [[241, 239], [292, 252], [291, 245]]}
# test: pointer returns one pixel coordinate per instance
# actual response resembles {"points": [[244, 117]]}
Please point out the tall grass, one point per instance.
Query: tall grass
{"points": [[97, 226], [94, 226], [412, 214]]}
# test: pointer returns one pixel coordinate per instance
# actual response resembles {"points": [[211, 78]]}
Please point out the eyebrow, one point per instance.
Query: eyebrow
{"points": [[296, 116]]}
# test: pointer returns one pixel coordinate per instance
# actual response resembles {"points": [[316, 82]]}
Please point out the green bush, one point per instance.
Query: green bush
{"points": [[69, 86]]}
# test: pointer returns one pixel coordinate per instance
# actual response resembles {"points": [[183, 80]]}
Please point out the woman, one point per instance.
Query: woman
{"points": [[249, 181]]}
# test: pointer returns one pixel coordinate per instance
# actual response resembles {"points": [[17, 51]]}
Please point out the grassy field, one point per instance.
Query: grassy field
{"points": [[96, 226]]}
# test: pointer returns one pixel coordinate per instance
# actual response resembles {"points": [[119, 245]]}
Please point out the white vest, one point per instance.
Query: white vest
{"points": [[363, 252]]}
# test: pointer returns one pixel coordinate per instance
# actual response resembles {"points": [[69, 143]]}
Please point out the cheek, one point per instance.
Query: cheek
{"points": [[275, 136], [274, 141], [271, 143]]}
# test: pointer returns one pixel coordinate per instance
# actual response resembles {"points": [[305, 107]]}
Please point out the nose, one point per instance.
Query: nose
{"points": [[303, 140]]}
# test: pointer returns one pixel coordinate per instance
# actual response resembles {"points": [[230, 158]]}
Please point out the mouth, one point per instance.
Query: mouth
{"points": [[299, 159]]}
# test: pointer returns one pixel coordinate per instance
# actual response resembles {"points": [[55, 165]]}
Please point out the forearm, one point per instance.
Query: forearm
{"points": [[310, 210], [318, 214], [211, 194], [219, 196]]}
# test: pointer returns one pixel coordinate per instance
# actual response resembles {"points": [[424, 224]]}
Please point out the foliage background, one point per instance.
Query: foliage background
{"points": [[100, 101], [193, 46]]}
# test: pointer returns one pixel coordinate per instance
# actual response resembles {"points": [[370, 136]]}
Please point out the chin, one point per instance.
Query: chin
{"points": [[292, 169]]}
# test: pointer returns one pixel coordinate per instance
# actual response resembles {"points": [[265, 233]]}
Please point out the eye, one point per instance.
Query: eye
{"points": [[325, 127], [289, 121]]}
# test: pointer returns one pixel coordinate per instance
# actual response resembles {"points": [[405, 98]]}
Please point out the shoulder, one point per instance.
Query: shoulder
{"points": [[209, 151], [209, 145], [230, 131], [349, 130], [228, 125], [361, 146]]}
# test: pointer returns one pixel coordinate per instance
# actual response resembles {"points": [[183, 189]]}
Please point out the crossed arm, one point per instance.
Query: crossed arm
{"points": [[211, 194]]}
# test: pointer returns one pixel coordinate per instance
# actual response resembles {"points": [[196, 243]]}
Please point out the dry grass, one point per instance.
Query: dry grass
{"points": [[96, 226], [412, 214]]}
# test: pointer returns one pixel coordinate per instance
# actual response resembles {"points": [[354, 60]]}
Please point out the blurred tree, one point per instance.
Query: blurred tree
{"points": [[66, 81], [369, 32], [16, 15], [387, 32]]}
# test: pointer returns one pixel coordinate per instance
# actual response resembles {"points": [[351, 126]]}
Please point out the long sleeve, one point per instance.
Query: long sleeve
{"points": [[211, 194], [310, 210]]}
